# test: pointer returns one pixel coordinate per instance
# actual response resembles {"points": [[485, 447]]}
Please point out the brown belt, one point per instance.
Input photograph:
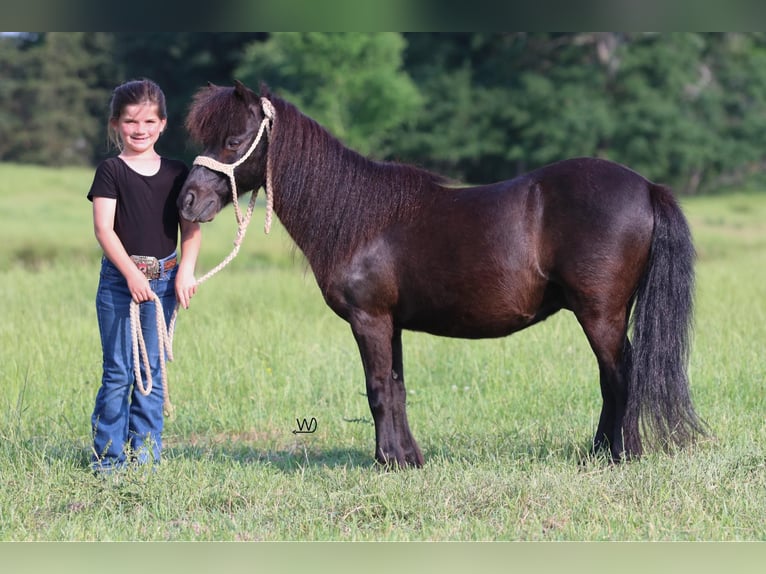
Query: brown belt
{"points": [[154, 268]]}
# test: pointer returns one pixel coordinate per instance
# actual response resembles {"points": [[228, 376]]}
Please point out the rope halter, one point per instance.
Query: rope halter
{"points": [[228, 170]]}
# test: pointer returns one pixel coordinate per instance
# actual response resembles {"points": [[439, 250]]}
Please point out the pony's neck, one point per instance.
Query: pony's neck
{"points": [[330, 199]]}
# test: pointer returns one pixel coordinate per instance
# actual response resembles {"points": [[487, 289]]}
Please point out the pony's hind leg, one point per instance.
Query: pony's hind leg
{"points": [[380, 346], [607, 334]]}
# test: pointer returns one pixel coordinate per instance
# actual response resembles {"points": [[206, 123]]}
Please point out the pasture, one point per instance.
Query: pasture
{"points": [[505, 425]]}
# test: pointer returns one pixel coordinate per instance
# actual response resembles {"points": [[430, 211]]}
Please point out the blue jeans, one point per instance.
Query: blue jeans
{"points": [[126, 423]]}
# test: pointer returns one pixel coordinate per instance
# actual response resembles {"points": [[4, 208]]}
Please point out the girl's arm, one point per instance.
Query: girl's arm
{"points": [[104, 209], [186, 284]]}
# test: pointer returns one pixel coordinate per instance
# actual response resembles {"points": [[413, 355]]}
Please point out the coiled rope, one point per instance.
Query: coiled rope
{"points": [[165, 336]]}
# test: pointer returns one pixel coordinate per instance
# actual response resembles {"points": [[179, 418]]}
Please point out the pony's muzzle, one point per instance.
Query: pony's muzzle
{"points": [[194, 207]]}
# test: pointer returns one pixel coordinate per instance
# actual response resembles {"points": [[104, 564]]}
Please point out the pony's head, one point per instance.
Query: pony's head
{"points": [[225, 122]]}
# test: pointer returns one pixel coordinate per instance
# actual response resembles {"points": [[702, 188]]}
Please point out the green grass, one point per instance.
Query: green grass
{"points": [[504, 424]]}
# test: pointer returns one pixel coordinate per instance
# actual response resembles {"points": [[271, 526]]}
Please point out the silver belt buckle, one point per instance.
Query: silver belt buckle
{"points": [[149, 266]]}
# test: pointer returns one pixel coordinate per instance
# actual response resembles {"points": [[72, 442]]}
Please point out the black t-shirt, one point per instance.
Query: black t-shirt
{"points": [[146, 219]]}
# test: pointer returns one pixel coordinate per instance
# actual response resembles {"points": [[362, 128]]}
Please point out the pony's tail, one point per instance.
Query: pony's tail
{"points": [[659, 401]]}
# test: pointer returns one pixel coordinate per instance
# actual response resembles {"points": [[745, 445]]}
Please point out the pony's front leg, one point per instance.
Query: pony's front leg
{"points": [[409, 446], [380, 346]]}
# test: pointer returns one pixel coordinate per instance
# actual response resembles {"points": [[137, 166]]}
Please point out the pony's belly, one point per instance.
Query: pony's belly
{"points": [[454, 323]]}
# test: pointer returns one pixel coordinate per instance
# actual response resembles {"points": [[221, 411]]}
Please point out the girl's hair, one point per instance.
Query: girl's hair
{"points": [[143, 91]]}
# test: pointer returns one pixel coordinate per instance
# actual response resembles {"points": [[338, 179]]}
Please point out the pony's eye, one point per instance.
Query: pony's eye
{"points": [[233, 143]]}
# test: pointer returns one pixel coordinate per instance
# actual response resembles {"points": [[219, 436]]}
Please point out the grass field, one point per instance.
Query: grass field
{"points": [[504, 424]]}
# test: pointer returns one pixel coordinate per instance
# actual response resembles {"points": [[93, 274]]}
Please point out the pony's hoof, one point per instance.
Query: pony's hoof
{"points": [[399, 461]]}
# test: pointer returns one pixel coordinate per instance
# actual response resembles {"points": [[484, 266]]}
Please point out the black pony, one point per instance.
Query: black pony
{"points": [[395, 247]]}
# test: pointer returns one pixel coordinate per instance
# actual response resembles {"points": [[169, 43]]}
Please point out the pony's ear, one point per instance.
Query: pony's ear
{"points": [[242, 90], [211, 85]]}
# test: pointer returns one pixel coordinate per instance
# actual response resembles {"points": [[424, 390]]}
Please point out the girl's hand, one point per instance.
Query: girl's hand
{"points": [[139, 287], [186, 287]]}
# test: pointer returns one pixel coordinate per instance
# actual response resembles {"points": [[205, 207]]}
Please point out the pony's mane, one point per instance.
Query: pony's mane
{"points": [[214, 113], [329, 197]]}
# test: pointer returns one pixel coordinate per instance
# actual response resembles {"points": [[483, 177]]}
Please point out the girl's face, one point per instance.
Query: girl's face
{"points": [[139, 127]]}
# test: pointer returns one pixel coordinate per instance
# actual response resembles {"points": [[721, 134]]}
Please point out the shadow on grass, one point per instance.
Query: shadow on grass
{"points": [[298, 455], [463, 449], [294, 458], [31, 453], [516, 450]]}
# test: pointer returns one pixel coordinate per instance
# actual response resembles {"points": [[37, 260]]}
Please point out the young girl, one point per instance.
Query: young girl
{"points": [[136, 222]]}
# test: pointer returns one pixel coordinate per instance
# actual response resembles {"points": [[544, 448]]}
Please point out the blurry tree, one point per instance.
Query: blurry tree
{"points": [[505, 103], [14, 61], [352, 83], [683, 108], [735, 70], [52, 95], [661, 98], [686, 109]]}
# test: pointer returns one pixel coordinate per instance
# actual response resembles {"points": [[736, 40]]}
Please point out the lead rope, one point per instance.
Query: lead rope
{"points": [[165, 336]]}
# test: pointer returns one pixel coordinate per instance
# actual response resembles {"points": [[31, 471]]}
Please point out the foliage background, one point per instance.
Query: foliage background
{"points": [[687, 109]]}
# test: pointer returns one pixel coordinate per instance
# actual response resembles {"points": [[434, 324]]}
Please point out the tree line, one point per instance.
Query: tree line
{"points": [[687, 109]]}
